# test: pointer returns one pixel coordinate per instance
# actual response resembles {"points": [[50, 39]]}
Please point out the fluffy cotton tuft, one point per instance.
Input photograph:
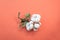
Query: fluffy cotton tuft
{"points": [[34, 23], [35, 17], [29, 26]]}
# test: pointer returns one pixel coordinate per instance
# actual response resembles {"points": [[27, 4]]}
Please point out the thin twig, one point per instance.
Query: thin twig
{"points": [[19, 15]]}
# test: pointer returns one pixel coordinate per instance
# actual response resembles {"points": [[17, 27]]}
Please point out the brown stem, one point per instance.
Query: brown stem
{"points": [[19, 16]]}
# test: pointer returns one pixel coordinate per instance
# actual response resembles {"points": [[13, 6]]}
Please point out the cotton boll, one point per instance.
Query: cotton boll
{"points": [[36, 25], [35, 17], [29, 26]]}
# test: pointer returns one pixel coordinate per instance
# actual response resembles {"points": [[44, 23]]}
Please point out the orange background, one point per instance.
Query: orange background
{"points": [[48, 9]]}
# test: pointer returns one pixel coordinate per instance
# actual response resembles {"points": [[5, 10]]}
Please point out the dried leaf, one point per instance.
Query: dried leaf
{"points": [[24, 24]]}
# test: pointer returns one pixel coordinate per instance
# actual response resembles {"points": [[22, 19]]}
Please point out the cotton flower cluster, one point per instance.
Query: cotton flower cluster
{"points": [[30, 22], [34, 23]]}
